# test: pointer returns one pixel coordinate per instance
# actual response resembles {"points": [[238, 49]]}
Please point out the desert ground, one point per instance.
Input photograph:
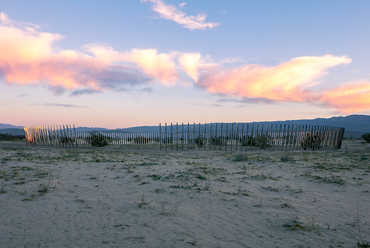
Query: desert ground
{"points": [[138, 196]]}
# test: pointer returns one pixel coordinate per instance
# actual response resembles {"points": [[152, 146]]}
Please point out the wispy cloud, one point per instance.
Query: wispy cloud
{"points": [[84, 92], [171, 12], [245, 100], [59, 105]]}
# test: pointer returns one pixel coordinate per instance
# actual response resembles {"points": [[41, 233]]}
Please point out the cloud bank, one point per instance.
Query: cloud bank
{"points": [[28, 56], [171, 12]]}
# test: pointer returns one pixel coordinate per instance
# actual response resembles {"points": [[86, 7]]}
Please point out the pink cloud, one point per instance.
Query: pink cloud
{"points": [[29, 57], [171, 12]]}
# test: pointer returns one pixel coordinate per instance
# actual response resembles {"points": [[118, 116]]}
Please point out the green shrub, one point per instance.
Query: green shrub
{"points": [[241, 157], [97, 140], [311, 141], [216, 141], [284, 158], [366, 137], [66, 140], [199, 141], [262, 141], [9, 137]]}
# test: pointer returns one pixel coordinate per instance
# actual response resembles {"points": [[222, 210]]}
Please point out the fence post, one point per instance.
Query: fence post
{"points": [[221, 138], [247, 138], [160, 137], [199, 139], [257, 137], [177, 136], [171, 137], [341, 134], [182, 136], [232, 136], [210, 137], [205, 136], [188, 138], [237, 137], [193, 136]]}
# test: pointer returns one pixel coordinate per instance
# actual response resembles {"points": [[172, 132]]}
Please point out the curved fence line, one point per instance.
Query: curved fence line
{"points": [[211, 136]]}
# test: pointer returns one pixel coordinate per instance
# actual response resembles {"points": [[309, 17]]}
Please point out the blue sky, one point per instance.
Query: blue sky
{"points": [[118, 64]]}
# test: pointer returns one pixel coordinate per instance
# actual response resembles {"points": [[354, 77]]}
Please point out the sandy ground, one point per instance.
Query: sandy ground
{"points": [[121, 196]]}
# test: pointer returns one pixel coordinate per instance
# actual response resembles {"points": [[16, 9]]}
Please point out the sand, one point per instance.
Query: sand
{"points": [[122, 196]]}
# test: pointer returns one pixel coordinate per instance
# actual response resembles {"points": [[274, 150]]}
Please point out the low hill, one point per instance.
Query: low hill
{"points": [[6, 126], [355, 126]]}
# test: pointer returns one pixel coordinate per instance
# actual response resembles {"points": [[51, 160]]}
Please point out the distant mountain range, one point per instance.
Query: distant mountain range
{"points": [[4, 126], [355, 126]]}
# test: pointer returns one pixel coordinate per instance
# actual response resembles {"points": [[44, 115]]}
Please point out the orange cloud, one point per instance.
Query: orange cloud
{"points": [[290, 81], [349, 98], [171, 12]]}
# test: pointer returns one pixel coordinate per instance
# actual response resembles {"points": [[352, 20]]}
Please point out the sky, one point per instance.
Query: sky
{"points": [[118, 64]]}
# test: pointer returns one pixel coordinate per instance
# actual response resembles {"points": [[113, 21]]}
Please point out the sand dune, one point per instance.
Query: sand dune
{"points": [[121, 196]]}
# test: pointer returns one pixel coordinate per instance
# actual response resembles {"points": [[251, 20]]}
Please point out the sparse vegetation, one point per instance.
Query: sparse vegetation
{"points": [[240, 157], [216, 141], [97, 139], [312, 141], [144, 187], [66, 140], [300, 226], [259, 140], [9, 137], [284, 158], [366, 137], [199, 141]]}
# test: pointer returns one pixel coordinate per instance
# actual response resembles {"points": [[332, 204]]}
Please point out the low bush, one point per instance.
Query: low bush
{"points": [[262, 141], [284, 158], [366, 137], [311, 141], [217, 141], [9, 137], [97, 140], [199, 141], [66, 140], [240, 157]]}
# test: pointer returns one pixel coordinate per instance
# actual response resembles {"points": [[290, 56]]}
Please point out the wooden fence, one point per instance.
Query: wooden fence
{"points": [[211, 136]]}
